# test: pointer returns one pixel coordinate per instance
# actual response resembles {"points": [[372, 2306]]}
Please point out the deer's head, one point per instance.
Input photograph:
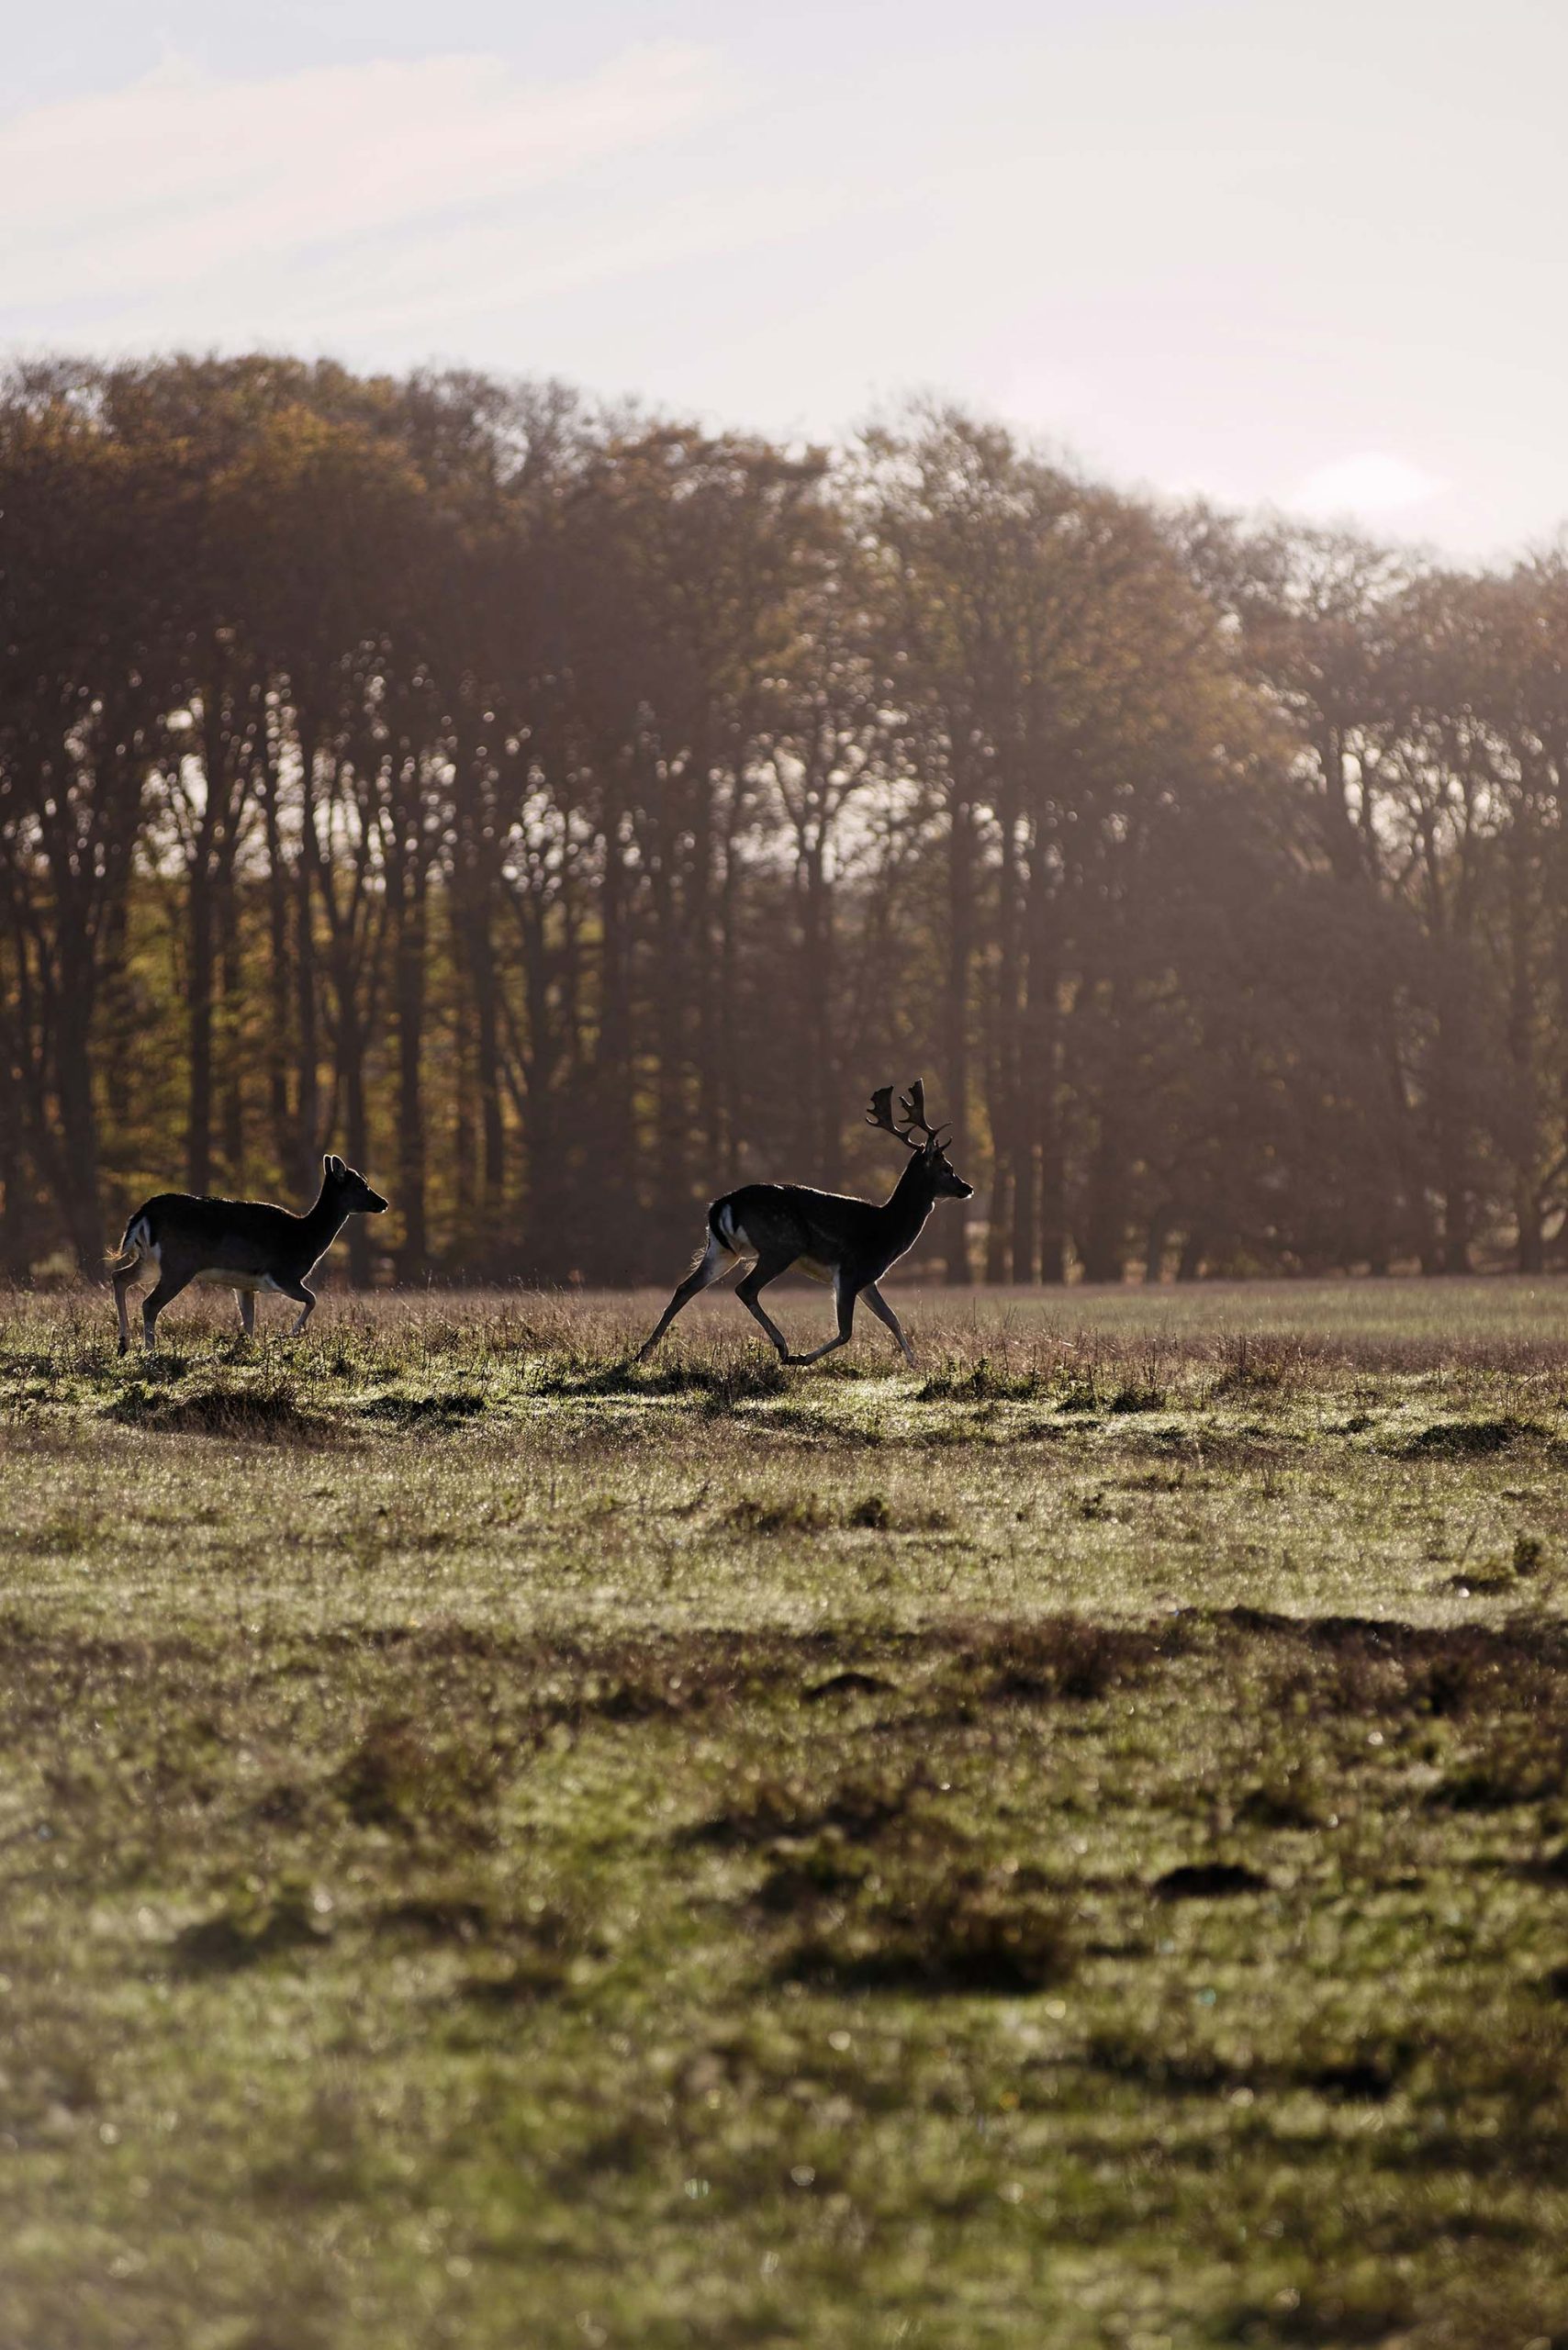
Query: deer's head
{"points": [[348, 1189], [917, 1135]]}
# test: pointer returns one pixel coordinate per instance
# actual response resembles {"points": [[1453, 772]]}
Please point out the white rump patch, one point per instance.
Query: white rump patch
{"points": [[730, 1233]]}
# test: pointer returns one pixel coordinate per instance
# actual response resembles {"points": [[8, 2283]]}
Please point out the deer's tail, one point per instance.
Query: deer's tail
{"points": [[131, 1239]]}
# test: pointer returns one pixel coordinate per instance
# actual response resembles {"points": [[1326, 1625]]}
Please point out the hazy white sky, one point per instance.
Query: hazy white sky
{"points": [[1310, 254]]}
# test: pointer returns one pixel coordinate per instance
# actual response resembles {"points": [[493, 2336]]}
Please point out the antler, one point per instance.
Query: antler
{"points": [[880, 1113], [913, 1105]]}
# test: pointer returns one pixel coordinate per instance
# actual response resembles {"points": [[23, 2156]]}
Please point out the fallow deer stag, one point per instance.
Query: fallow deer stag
{"points": [[850, 1243], [246, 1245]]}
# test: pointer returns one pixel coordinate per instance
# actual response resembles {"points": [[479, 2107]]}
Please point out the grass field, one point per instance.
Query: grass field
{"points": [[1067, 1847]]}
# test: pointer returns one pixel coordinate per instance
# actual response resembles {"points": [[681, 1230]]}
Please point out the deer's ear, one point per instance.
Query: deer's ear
{"points": [[332, 1163]]}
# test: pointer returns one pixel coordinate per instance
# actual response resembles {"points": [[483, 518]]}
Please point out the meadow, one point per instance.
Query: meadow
{"points": [[1068, 1846]]}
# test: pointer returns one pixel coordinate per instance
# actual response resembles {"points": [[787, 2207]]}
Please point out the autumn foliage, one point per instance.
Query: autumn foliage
{"points": [[564, 814]]}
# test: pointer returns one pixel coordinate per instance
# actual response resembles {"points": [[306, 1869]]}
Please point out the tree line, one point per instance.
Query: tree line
{"points": [[566, 813]]}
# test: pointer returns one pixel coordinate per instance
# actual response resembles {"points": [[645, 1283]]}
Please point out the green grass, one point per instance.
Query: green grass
{"points": [[1069, 1846]]}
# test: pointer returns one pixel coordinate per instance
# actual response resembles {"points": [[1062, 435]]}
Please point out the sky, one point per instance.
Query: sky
{"points": [[1303, 256]]}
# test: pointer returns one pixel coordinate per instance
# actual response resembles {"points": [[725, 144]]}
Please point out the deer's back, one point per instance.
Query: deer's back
{"points": [[223, 1236], [770, 1219]]}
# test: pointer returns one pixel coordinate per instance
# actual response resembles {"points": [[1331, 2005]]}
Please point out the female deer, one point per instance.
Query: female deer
{"points": [[245, 1244]]}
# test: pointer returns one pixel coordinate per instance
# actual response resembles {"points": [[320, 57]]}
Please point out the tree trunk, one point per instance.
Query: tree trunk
{"points": [[1039, 1239], [408, 996], [725, 989], [1524, 1103], [1008, 1136], [1450, 1111], [275, 1048], [308, 1138], [999, 1212], [16, 1202], [669, 1207], [955, 1026], [615, 1131], [824, 1109], [463, 1141], [231, 1038], [550, 1243], [1105, 1227], [1405, 1147], [356, 1128], [485, 984], [200, 974], [79, 1133]]}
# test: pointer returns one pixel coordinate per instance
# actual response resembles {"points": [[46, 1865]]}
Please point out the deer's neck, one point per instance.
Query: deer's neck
{"points": [[911, 1201], [324, 1219]]}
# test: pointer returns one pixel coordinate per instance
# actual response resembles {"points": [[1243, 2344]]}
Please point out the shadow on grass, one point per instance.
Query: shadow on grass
{"points": [[270, 1415], [425, 1411], [1208, 1881], [722, 1383], [398, 1778], [1181, 2062], [1042, 1659], [881, 1890], [932, 1932], [1470, 1439], [248, 1931]]}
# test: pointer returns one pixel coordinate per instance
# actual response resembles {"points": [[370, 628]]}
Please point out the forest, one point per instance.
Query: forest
{"points": [[566, 812]]}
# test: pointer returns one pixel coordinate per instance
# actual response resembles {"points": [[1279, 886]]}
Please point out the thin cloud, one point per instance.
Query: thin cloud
{"points": [[184, 178], [1369, 484], [409, 283]]}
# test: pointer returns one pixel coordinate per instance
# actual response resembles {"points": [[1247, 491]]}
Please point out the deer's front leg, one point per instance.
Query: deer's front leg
{"points": [[306, 1302], [884, 1313]]}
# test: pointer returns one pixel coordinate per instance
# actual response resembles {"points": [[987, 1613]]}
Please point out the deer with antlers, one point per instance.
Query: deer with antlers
{"points": [[850, 1243]]}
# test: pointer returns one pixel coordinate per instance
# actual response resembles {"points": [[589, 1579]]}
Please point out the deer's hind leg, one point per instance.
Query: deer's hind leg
{"points": [[843, 1293], [169, 1286], [766, 1270], [715, 1259], [122, 1286], [246, 1298]]}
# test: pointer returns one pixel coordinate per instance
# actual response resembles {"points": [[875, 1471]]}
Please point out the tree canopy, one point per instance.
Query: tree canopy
{"points": [[566, 814]]}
